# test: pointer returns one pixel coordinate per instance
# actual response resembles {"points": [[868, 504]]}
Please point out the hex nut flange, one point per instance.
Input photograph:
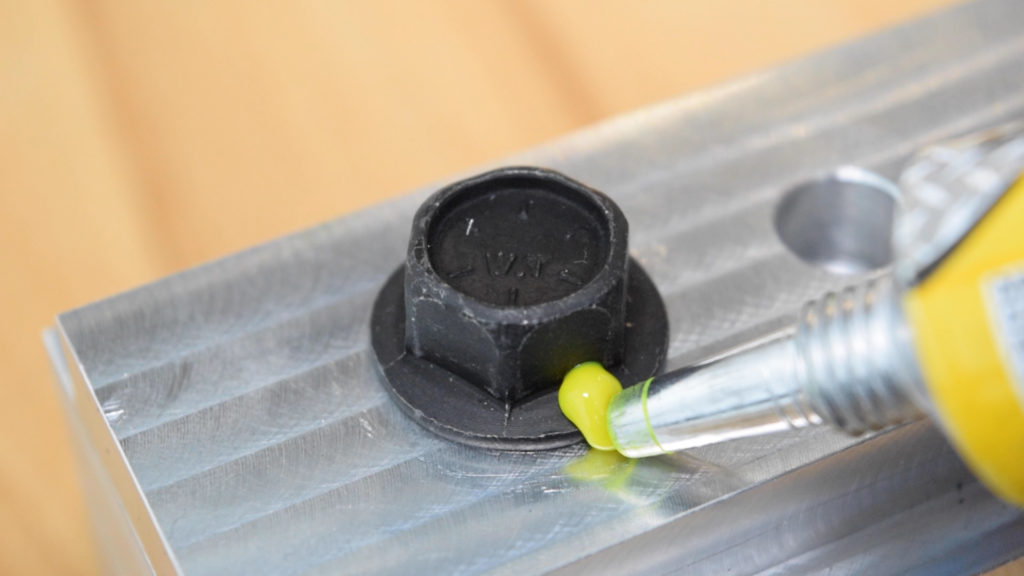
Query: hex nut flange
{"points": [[512, 278]]}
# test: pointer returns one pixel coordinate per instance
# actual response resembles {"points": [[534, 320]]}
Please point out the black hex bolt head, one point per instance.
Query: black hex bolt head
{"points": [[512, 278]]}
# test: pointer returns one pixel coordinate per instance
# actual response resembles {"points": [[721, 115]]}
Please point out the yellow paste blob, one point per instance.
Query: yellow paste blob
{"points": [[584, 397]]}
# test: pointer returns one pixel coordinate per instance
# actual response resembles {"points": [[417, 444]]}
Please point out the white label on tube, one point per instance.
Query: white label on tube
{"points": [[1005, 291]]}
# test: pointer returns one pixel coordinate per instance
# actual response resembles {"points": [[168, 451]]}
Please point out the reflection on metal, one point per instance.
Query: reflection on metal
{"points": [[240, 418]]}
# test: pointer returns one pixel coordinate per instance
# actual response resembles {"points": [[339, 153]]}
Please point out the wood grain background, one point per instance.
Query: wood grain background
{"points": [[140, 138]]}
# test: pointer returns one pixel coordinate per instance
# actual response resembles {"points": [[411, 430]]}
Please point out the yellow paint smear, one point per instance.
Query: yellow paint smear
{"points": [[584, 397]]}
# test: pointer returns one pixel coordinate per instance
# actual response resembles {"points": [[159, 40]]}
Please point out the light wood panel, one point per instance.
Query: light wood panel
{"points": [[140, 138]]}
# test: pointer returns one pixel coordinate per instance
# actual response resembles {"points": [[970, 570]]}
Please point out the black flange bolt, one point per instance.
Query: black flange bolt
{"points": [[512, 278]]}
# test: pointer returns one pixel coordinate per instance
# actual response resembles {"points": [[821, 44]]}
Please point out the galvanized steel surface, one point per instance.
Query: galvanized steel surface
{"points": [[251, 414]]}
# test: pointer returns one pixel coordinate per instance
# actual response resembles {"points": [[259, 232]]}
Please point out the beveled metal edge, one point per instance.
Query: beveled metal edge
{"points": [[91, 427], [860, 495]]}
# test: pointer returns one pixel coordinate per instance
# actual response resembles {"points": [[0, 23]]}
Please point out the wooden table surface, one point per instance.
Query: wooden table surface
{"points": [[141, 138]]}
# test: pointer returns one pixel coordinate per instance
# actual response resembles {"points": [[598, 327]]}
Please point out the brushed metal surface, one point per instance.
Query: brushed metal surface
{"points": [[253, 435]]}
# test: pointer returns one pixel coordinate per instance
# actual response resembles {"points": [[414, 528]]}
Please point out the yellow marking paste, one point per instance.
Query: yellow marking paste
{"points": [[584, 397]]}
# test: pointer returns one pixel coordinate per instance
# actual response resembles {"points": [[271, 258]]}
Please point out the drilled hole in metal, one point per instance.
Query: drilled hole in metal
{"points": [[841, 223]]}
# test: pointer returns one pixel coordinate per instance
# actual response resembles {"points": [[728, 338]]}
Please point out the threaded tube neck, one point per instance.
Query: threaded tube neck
{"points": [[855, 358]]}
